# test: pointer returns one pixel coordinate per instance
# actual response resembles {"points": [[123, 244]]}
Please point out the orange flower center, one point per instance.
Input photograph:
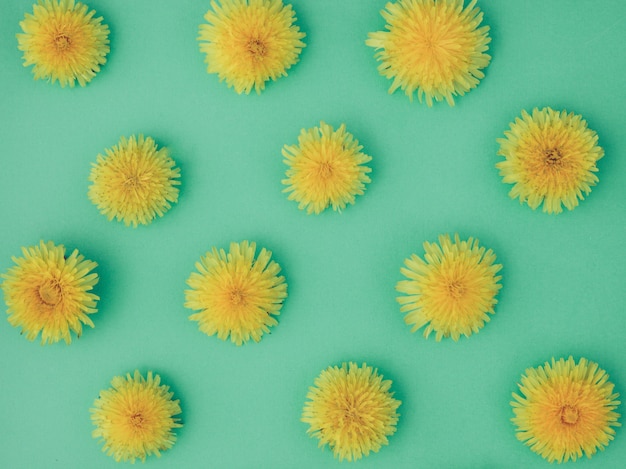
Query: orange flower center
{"points": [[62, 42], [569, 415], [553, 157], [136, 420], [257, 49], [50, 292], [456, 289], [237, 297]]}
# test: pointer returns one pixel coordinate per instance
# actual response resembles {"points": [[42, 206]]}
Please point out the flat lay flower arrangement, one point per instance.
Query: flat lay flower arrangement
{"points": [[394, 227]]}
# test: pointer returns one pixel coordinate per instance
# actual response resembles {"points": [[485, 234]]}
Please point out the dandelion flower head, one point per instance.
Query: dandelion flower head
{"points": [[64, 42], [326, 168], [550, 158], [565, 409], [237, 294], [248, 42], [452, 290], [135, 417], [49, 292], [352, 410], [135, 182], [434, 48]]}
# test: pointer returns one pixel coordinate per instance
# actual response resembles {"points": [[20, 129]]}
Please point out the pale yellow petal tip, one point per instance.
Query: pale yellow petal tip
{"points": [[249, 42], [326, 169], [550, 158], [352, 410], [435, 49], [136, 417], [64, 42], [134, 182], [238, 294], [452, 290], [565, 409], [49, 292]]}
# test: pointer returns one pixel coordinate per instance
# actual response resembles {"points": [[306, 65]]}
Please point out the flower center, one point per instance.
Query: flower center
{"points": [[136, 420], [62, 42], [237, 297], [131, 181], [456, 289], [354, 417], [429, 43], [569, 415], [325, 170], [552, 156], [50, 292], [257, 49]]}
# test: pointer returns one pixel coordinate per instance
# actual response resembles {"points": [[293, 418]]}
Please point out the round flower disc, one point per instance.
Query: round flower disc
{"points": [[135, 182], [452, 290], [565, 409], [248, 42], [237, 293], [550, 158], [135, 417], [433, 48], [64, 42], [352, 410], [326, 168], [49, 292]]}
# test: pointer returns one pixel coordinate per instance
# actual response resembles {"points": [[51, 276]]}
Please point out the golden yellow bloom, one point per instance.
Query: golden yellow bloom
{"points": [[64, 42], [134, 182], [351, 410], [452, 290], [48, 292], [326, 168], [236, 293], [248, 42], [135, 417], [565, 409], [433, 47], [550, 157]]}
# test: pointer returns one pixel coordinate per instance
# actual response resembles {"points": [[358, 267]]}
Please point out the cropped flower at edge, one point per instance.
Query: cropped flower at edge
{"points": [[352, 410], [64, 42], [565, 409], [248, 42], [326, 168], [49, 292], [434, 48], [135, 417], [237, 293], [452, 290], [550, 158], [135, 182]]}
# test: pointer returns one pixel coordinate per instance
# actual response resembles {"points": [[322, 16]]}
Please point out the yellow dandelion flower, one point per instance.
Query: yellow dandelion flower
{"points": [[452, 290], [248, 42], [64, 42], [135, 417], [134, 182], [550, 158], [565, 409], [352, 410], [49, 292], [433, 47], [237, 294], [326, 168]]}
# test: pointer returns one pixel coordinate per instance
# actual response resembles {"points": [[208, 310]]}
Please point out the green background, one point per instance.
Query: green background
{"points": [[433, 172]]}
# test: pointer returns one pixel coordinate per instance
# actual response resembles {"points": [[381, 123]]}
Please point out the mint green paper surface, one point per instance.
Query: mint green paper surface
{"points": [[433, 172]]}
